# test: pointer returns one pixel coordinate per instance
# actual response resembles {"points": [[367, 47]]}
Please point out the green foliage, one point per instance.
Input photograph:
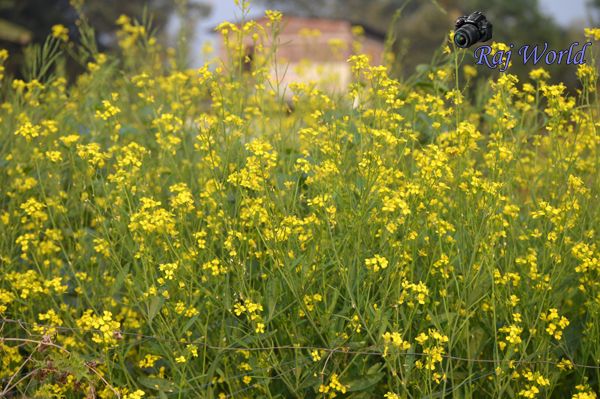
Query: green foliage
{"points": [[24, 22]]}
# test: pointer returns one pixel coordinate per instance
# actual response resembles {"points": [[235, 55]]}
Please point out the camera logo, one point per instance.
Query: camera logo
{"points": [[471, 29], [474, 28]]}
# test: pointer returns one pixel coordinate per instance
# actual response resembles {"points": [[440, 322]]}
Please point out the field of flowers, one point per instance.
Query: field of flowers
{"points": [[177, 233]]}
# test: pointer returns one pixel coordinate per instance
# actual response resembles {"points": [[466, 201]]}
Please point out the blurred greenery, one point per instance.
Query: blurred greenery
{"points": [[422, 26], [25, 22], [418, 32], [14, 33], [595, 11]]}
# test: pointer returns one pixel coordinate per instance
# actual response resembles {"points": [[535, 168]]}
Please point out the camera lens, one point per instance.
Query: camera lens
{"points": [[466, 36], [460, 39]]}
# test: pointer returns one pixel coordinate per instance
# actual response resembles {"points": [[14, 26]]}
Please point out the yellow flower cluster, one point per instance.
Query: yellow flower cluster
{"points": [[376, 263], [592, 33], [104, 329], [333, 387], [215, 266], [3, 57], [555, 324], [151, 218], [258, 166], [130, 32], [148, 361], [583, 391], [252, 311], [60, 32], [413, 293], [512, 333], [432, 344], [395, 339]]}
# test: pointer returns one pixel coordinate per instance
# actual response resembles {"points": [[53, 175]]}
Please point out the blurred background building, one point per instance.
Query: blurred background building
{"points": [[313, 49]]}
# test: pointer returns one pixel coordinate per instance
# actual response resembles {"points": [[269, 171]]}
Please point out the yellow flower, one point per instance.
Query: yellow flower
{"points": [[108, 111], [316, 355], [555, 324], [138, 394], [225, 27], [3, 57], [586, 71], [60, 32], [499, 46], [260, 328], [584, 392], [104, 329], [148, 361], [273, 15], [592, 33], [470, 71], [376, 263], [28, 130], [168, 270], [396, 340], [422, 338], [539, 74], [215, 266], [531, 392], [54, 156], [565, 364]]}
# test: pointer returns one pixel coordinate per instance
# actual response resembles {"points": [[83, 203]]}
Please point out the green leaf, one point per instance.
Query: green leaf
{"points": [[357, 345], [365, 382], [374, 369], [189, 323], [155, 305], [310, 381], [158, 384]]}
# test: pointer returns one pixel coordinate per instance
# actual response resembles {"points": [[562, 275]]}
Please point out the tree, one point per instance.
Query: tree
{"points": [[38, 16], [30, 21]]}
